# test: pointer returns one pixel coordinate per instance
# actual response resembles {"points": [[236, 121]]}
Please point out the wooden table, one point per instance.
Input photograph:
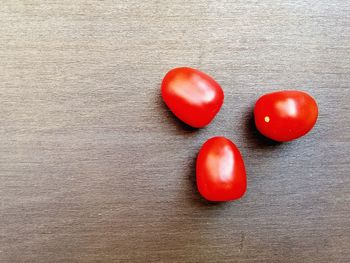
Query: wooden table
{"points": [[94, 167]]}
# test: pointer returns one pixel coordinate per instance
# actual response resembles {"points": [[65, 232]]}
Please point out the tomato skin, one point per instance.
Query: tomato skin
{"points": [[194, 97], [285, 115], [220, 170]]}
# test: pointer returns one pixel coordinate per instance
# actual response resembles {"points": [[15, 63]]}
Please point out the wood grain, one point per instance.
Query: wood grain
{"points": [[94, 168]]}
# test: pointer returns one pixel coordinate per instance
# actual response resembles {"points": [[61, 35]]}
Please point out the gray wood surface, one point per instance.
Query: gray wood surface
{"points": [[94, 167]]}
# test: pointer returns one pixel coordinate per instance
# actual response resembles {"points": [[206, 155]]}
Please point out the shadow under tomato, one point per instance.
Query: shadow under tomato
{"points": [[253, 136], [172, 118]]}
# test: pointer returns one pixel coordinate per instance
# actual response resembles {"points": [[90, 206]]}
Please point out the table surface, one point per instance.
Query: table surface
{"points": [[94, 167]]}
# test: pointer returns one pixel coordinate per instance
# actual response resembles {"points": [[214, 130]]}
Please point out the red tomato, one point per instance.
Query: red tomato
{"points": [[220, 172], [194, 97], [285, 115]]}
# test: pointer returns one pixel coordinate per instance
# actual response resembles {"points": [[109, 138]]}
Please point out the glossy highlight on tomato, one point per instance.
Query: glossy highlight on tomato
{"points": [[220, 170], [193, 96], [285, 115]]}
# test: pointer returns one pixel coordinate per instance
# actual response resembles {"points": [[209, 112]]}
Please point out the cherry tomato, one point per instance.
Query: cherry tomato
{"points": [[220, 171], [194, 97], [285, 115]]}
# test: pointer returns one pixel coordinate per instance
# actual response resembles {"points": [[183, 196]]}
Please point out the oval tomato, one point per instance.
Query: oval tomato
{"points": [[194, 97], [220, 171], [285, 115]]}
